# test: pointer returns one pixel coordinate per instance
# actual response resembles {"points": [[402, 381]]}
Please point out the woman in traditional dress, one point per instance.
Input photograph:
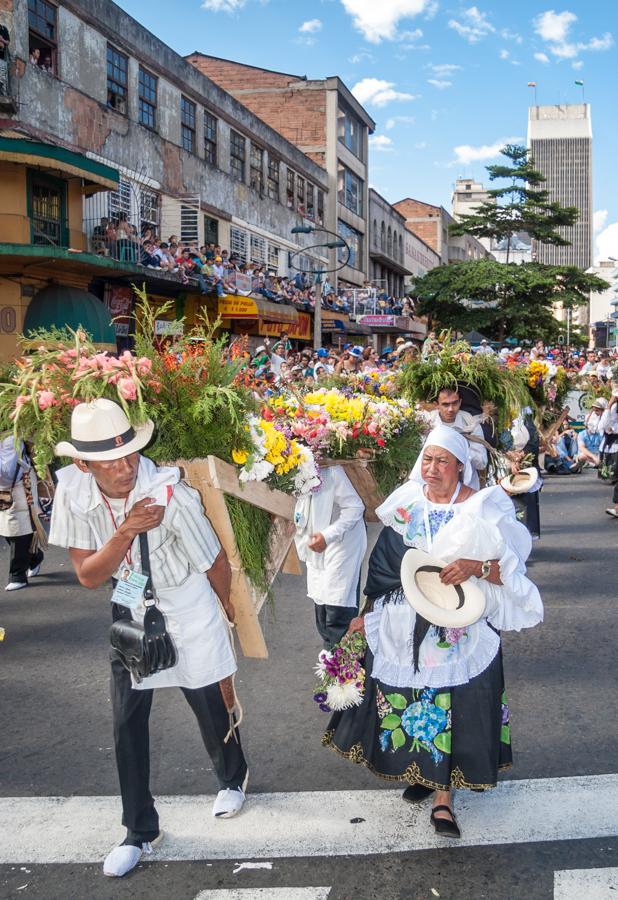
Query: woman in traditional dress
{"points": [[434, 711], [608, 426]]}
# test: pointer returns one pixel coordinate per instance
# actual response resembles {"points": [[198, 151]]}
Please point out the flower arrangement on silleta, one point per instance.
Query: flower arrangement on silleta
{"points": [[277, 457], [341, 674]]}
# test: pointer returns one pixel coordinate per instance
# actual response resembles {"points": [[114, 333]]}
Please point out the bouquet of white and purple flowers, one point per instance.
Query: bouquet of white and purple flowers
{"points": [[341, 676]]}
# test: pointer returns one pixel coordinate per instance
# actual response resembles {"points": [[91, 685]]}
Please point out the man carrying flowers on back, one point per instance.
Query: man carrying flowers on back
{"points": [[105, 503]]}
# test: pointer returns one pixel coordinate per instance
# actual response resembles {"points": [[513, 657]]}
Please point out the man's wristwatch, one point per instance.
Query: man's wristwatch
{"points": [[486, 568]]}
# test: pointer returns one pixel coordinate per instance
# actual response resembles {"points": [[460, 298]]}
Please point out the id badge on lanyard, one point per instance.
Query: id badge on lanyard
{"points": [[129, 590]]}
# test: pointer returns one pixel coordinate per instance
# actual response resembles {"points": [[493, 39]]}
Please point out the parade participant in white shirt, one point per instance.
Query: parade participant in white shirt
{"points": [[16, 524], [331, 538], [104, 501], [449, 412]]}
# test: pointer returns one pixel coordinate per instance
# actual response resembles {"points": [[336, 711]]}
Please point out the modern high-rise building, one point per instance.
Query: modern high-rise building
{"points": [[560, 141]]}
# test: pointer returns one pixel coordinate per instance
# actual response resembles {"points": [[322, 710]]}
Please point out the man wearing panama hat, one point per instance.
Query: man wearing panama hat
{"points": [[105, 502], [446, 576]]}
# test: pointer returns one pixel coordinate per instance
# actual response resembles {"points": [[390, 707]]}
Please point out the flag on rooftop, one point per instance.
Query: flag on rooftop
{"points": [[580, 83], [533, 83]]}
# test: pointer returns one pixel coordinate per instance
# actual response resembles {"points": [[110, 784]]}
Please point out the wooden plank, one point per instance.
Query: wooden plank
{"points": [[224, 476], [291, 564], [197, 475]]}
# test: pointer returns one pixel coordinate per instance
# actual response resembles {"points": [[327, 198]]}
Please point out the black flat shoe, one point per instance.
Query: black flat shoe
{"points": [[445, 827], [416, 793]]}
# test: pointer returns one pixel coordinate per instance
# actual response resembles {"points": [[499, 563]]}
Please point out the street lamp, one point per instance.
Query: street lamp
{"points": [[337, 244]]}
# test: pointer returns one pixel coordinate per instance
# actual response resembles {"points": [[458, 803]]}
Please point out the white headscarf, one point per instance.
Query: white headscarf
{"points": [[449, 439]]}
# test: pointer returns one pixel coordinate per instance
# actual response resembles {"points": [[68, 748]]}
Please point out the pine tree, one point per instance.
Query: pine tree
{"points": [[521, 205]]}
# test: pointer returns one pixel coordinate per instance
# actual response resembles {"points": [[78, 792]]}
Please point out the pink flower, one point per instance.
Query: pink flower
{"points": [[46, 399], [21, 401], [144, 365], [127, 389]]}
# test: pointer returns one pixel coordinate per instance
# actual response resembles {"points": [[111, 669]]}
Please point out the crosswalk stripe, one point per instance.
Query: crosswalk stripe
{"points": [[311, 823], [593, 884], [304, 893]]}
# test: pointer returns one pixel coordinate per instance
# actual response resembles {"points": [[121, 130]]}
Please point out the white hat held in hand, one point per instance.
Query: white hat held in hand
{"points": [[100, 430], [521, 482], [444, 605]]}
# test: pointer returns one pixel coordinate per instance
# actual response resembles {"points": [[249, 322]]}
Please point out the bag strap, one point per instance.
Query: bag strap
{"points": [[154, 621]]}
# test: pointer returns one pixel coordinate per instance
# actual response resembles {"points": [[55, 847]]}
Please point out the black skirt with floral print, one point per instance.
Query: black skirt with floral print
{"points": [[446, 737]]}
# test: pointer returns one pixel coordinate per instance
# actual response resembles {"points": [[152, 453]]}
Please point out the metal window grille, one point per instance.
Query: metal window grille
{"points": [[273, 178], [189, 222], [147, 94], [238, 243], [310, 201], [46, 214], [300, 195], [256, 168], [320, 213], [210, 139], [237, 156], [119, 201], [187, 124], [149, 209], [258, 250], [273, 257]]}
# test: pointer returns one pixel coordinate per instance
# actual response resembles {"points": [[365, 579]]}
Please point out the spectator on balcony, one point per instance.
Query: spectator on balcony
{"points": [[5, 38], [35, 56], [218, 267], [148, 257], [126, 239]]}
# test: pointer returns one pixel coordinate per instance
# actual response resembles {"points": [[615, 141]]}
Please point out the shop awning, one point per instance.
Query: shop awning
{"points": [[48, 156], [334, 325], [254, 309], [58, 306], [355, 328]]}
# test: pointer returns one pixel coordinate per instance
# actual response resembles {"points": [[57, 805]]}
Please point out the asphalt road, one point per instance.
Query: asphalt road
{"points": [[55, 734]]}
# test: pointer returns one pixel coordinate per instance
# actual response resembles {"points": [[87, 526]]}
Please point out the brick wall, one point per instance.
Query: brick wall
{"points": [[298, 112], [412, 208], [427, 231]]}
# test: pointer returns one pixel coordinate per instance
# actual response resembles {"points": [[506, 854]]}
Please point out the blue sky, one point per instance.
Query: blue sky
{"points": [[445, 83]]}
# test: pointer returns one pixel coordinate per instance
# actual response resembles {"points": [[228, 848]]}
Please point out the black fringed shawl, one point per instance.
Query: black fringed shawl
{"points": [[384, 580]]}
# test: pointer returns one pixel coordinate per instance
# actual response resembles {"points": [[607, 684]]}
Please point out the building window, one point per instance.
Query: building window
{"points": [[147, 93], [350, 190], [273, 179], [354, 240], [256, 169], [189, 223], [119, 201], [187, 124], [273, 257], [400, 249], [310, 202], [238, 243], [237, 156], [258, 250], [117, 80], [350, 131], [389, 242], [42, 35], [211, 230], [289, 190], [320, 209], [149, 206], [300, 195], [210, 139], [383, 237], [47, 211]]}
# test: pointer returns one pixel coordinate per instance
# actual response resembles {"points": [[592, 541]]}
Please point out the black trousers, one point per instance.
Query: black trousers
{"points": [[332, 622], [20, 557], [131, 712]]}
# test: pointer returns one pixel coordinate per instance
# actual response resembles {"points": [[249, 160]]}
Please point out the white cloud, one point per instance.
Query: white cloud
{"points": [[227, 6], [472, 25], [380, 142], [606, 243], [577, 65], [555, 29], [378, 92], [420, 145], [310, 27], [440, 83], [599, 218], [511, 36], [399, 120], [410, 36], [377, 20], [444, 69], [362, 56], [504, 54], [541, 57], [465, 154]]}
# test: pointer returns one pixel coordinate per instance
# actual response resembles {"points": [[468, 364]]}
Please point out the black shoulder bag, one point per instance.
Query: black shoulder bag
{"points": [[148, 648]]}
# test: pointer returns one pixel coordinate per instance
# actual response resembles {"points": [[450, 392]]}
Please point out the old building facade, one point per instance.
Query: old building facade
{"points": [[431, 224]]}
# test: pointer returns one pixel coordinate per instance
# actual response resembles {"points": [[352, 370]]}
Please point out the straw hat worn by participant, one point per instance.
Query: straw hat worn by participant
{"points": [[434, 712], [104, 501]]}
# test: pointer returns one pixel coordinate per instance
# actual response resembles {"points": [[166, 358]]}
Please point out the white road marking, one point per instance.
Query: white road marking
{"points": [[304, 893], [284, 825], [593, 884]]}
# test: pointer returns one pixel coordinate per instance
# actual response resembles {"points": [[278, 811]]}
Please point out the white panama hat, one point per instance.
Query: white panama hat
{"points": [[521, 482], [444, 605], [100, 430]]}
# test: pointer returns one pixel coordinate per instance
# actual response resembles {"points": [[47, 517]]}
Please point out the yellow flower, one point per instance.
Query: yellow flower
{"points": [[240, 457]]}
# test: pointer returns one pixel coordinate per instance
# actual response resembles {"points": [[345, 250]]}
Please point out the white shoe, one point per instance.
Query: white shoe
{"points": [[125, 857], [32, 573], [16, 585], [228, 803]]}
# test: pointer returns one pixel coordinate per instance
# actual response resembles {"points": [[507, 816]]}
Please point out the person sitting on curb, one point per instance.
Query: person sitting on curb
{"points": [[109, 497]]}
